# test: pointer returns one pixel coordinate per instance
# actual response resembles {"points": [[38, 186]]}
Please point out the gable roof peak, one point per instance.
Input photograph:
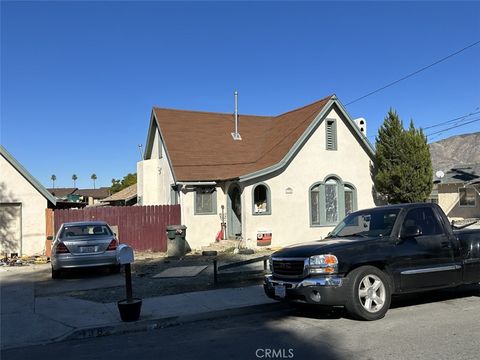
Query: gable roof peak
{"points": [[317, 102]]}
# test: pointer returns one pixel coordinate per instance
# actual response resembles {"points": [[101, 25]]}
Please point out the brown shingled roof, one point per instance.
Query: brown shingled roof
{"points": [[61, 192], [201, 147], [100, 193], [125, 194]]}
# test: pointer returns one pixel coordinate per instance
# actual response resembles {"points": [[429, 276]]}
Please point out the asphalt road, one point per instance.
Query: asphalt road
{"points": [[439, 325]]}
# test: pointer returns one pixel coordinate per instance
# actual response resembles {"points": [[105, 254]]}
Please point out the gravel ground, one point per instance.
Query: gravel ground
{"points": [[147, 265]]}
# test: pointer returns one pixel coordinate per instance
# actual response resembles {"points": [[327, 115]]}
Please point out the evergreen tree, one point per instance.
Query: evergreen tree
{"points": [[127, 180], [403, 167]]}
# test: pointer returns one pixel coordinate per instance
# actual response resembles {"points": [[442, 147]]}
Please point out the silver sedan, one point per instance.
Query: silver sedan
{"points": [[84, 244]]}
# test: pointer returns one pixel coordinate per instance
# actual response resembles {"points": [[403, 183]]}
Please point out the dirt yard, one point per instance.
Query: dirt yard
{"points": [[148, 264]]}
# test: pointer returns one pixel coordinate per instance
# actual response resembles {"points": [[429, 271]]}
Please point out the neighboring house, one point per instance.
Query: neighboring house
{"points": [[125, 197], [458, 192], [93, 196], [83, 197], [23, 201], [293, 176]]}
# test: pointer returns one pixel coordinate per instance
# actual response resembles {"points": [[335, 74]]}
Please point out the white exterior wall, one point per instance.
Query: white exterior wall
{"points": [[154, 177], [14, 188], [289, 221], [201, 229]]}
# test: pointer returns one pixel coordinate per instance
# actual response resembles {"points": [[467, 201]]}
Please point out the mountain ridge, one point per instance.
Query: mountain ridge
{"points": [[454, 151]]}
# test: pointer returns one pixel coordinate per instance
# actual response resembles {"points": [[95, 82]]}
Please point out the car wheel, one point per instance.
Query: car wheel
{"points": [[369, 294], [56, 274]]}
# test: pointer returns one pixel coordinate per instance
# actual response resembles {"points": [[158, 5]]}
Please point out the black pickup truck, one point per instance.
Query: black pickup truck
{"points": [[373, 254]]}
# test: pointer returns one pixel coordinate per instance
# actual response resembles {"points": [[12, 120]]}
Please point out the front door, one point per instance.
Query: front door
{"points": [[234, 212]]}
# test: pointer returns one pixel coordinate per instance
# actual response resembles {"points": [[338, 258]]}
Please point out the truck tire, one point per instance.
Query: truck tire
{"points": [[369, 294]]}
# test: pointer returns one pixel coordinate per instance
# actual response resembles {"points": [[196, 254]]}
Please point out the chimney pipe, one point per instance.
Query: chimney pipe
{"points": [[236, 135], [235, 94]]}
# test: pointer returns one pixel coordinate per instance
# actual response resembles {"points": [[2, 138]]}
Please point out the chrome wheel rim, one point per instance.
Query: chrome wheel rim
{"points": [[372, 293]]}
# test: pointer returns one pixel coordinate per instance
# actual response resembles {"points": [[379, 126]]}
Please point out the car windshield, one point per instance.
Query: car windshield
{"points": [[367, 223], [85, 231]]}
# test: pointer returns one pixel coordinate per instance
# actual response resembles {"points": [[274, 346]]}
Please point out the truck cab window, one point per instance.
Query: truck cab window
{"points": [[425, 219]]}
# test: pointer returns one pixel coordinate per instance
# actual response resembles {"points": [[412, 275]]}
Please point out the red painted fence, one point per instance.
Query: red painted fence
{"points": [[142, 227]]}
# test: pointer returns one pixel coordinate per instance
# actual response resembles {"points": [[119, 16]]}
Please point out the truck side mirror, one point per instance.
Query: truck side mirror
{"points": [[411, 231]]}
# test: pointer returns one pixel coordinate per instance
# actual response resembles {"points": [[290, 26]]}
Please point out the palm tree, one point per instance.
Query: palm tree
{"points": [[93, 177], [74, 178], [53, 178]]}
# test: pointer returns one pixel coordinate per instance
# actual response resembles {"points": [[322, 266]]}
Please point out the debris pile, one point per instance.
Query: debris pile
{"points": [[15, 260]]}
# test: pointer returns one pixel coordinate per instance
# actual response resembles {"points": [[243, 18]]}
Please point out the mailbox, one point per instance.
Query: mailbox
{"points": [[124, 254]]}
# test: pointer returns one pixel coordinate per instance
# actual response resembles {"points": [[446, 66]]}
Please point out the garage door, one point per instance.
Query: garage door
{"points": [[10, 228]]}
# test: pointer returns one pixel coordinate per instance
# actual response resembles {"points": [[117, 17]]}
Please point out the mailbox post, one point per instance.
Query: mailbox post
{"points": [[130, 307]]}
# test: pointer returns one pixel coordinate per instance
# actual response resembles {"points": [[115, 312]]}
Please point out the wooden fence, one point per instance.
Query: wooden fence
{"points": [[142, 227]]}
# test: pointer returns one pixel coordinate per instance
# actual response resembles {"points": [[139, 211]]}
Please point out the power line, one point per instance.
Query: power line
{"points": [[413, 73], [458, 124], [461, 118], [453, 127]]}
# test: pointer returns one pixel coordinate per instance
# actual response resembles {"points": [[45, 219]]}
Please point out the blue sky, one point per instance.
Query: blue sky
{"points": [[79, 79]]}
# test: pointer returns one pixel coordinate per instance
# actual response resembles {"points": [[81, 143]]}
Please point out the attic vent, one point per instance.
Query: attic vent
{"points": [[236, 134], [331, 135]]}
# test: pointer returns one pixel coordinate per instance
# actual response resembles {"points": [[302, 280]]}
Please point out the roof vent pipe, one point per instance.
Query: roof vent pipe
{"points": [[236, 135]]}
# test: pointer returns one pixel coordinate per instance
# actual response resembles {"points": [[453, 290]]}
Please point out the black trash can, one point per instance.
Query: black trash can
{"points": [[176, 244]]}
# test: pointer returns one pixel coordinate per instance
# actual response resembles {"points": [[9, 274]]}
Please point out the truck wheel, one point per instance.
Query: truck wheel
{"points": [[369, 294]]}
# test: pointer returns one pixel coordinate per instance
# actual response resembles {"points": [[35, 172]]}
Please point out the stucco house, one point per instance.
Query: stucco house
{"points": [[290, 177], [457, 191], [23, 201]]}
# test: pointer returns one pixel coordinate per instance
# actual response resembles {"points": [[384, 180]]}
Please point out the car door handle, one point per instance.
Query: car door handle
{"points": [[446, 245]]}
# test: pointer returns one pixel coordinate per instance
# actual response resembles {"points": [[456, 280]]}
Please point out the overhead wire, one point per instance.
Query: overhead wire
{"points": [[453, 120], [453, 127], [413, 73]]}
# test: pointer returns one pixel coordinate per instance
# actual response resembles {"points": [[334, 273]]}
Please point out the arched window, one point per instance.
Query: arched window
{"points": [[261, 200], [330, 201], [350, 199]]}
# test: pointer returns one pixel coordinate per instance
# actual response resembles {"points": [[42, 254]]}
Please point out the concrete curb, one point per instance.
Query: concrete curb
{"points": [[147, 325], [153, 324]]}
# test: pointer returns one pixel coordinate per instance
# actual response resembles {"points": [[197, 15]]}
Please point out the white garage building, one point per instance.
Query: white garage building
{"points": [[23, 201]]}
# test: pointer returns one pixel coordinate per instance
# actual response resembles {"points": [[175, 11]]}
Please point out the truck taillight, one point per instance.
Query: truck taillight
{"points": [[112, 245], [61, 249]]}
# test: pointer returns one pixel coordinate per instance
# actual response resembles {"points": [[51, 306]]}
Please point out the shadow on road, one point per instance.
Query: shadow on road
{"points": [[398, 301]]}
